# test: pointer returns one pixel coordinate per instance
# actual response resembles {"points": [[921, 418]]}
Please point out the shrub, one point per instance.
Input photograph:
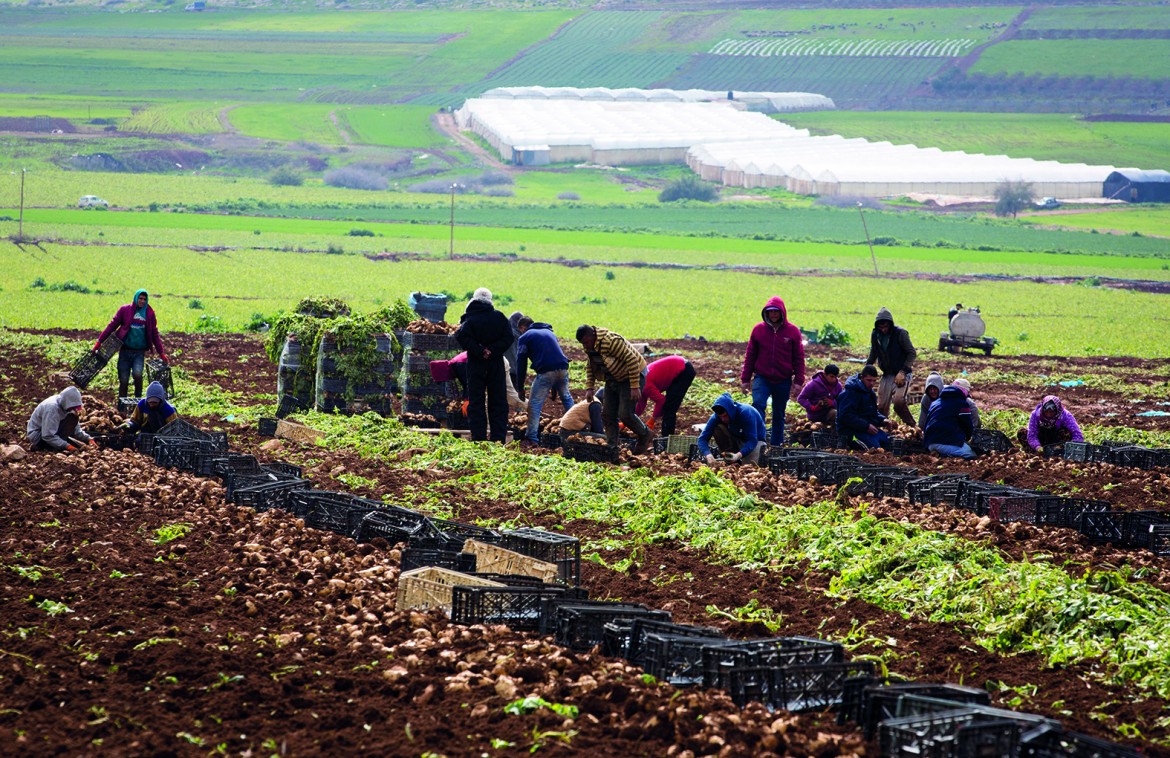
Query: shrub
{"points": [[360, 233], [499, 192], [258, 323], [609, 276], [688, 188], [286, 176], [356, 178], [492, 178], [438, 187], [196, 304], [832, 335], [568, 196], [208, 324], [334, 250]]}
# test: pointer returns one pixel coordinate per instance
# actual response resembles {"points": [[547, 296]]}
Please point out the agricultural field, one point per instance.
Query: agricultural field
{"points": [[259, 631]]}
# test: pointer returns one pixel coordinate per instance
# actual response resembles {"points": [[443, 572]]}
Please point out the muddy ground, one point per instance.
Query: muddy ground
{"points": [[250, 634]]}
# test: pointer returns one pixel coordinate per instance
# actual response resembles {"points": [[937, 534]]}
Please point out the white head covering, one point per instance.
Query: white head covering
{"points": [[483, 295]]}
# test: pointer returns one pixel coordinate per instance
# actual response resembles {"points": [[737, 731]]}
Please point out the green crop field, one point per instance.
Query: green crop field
{"points": [[1142, 58], [175, 118], [1130, 16], [1059, 137], [393, 126], [291, 122]]}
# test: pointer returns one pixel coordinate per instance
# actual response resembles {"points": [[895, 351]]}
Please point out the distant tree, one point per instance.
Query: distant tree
{"points": [[1012, 197], [286, 176], [688, 188]]}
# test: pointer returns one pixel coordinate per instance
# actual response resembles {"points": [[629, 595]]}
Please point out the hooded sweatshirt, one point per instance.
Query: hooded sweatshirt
{"points": [[539, 346], [856, 409], [948, 422], [892, 352], [47, 418], [774, 351], [745, 423], [482, 326], [934, 380], [659, 376], [818, 389], [1063, 420], [150, 419], [510, 354], [136, 327]]}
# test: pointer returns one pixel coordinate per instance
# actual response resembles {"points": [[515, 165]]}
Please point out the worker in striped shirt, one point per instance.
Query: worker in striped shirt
{"points": [[610, 358]]}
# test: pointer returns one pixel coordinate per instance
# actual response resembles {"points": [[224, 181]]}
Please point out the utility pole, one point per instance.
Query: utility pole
{"points": [[20, 217], [867, 239], [451, 250]]}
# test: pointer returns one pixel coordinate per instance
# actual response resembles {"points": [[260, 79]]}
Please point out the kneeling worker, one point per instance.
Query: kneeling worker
{"points": [[949, 426], [152, 412], [55, 425], [734, 426]]}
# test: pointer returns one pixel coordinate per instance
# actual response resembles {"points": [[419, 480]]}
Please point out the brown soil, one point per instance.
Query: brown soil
{"points": [[257, 634]]}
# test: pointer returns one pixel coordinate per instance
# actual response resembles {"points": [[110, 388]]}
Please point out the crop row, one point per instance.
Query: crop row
{"points": [[945, 48]]}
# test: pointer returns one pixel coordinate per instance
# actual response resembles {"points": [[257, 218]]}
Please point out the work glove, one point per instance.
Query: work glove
{"points": [[650, 423], [710, 459], [163, 357], [737, 457], [93, 443], [464, 407], [69, 449], [97, 346], [899, 379]]}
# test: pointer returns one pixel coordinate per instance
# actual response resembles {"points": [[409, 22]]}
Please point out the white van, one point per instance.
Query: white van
{"points": [[92, 201]]}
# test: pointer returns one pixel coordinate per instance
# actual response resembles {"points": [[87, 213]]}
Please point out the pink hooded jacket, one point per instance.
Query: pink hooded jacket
{"points": [[774, 351]]}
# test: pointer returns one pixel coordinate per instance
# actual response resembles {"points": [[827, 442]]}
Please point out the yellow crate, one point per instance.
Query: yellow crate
{"points": [[681, 443], [430, 587], [492, 559], [291, 430]]}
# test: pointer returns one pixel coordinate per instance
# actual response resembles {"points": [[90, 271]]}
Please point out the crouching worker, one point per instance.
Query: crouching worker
{"points": [[734, 427], [584, 417], [55, 425], [819, 396], [859, 422], [152, 412], [1050, 424], [949, 425]]}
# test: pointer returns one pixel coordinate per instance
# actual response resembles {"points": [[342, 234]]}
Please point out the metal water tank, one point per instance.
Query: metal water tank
{"points": [[968, 324]]}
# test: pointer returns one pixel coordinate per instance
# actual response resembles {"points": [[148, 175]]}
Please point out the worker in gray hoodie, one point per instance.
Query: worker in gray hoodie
{"points": [[934, 387], [891, 350], [55, 425]]}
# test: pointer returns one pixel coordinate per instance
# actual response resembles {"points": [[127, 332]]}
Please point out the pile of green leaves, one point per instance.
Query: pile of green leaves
{"points": [[323, 307]]}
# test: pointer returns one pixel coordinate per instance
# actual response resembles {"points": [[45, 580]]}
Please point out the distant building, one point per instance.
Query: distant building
{"points": [[198, 5], [1137, 186]]}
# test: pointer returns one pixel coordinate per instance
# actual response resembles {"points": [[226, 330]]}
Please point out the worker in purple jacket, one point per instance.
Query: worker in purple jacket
{"points": [[1050, 423], [773, 364], [819, 396], [135, 325]]}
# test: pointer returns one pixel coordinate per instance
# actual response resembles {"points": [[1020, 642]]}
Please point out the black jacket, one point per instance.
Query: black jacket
{"points": [[856, 409], [897, 354], [483, 326]]}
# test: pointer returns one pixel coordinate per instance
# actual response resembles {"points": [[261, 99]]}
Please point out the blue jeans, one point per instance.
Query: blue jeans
{"points": [[549, 381], [130, 362], [953, 451], [873, 441], [762, 389]]}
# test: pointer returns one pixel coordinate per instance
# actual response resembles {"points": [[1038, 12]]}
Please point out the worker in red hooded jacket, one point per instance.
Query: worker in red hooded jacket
{"points": [[774, 364], [134, 324]]}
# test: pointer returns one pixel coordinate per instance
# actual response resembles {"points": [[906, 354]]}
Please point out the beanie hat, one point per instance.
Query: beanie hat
{"points": [[962, 384], [483, 295], [156, 390]]}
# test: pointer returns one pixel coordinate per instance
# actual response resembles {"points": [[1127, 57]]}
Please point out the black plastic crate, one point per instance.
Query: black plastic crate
{"points": [[868, 476], [956, 732], [552, 441], [266, 427], [581, 626], [158, 371], [268, 495], [637, 629], [419, 342], [905, 446], [659, 445], [280, 468], [584, 451], [180, 429], [1139, 457], [393, 525], [893, 484], [1159, 543], [944, 493], [990, 441], [551, 547], [774, 652], [126, 405], [881, 703], [676, 658], [1084, 452], [238, 480], [233, 463], [1055, 742], [1103, 527], [1012, 507], [86, 368], [795, 688], [824, 440], [180, 453], [450, 535], [115, 440], [914, 704], [1066, 511], [288, 405], [1137, 525], [516, 607], [853, 698], [918, 490], [416, 557], [325, 510]]}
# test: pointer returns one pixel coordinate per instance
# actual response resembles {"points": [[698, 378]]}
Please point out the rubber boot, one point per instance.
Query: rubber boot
{"points": [[611, 435], [123, 388], [138, 386], [644, 443]]}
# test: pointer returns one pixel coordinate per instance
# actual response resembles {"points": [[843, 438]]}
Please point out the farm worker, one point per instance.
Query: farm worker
{"points": [[539, 345], [819, 396], [134, 324], [934, 387], [485, 334], [510, 353], [515, 401], [452, 369], [965, 385], [733, 426], [585, 416], [953, 312], [56, 423], [859, 422], [667, 382], [1050, 424], [153, 412], [610, 358], [891, 350], [949, 426], [773, 364]]}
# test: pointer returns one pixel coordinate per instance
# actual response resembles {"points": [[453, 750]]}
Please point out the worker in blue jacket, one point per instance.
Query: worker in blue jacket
{"points": [[859, 422], [734, 427], [949, 425]]}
